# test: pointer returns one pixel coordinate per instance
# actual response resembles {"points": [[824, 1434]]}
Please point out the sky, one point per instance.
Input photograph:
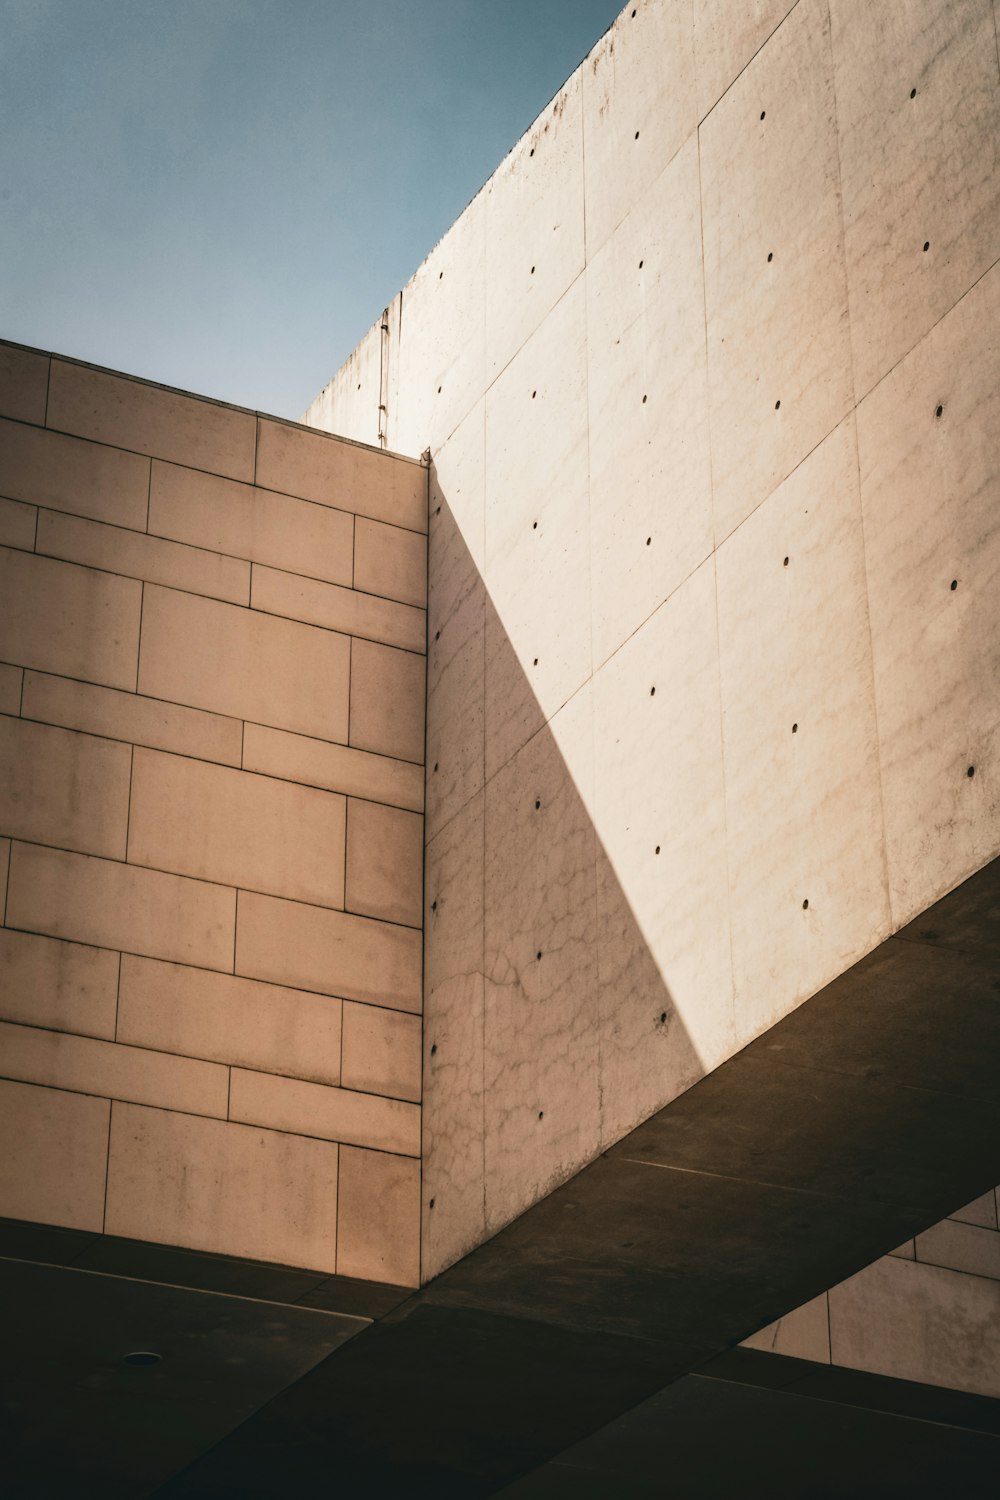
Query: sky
{"points": [[222, 195]]}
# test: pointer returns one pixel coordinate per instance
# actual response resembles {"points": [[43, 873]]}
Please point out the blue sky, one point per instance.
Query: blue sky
{"points": [[223, 194]]}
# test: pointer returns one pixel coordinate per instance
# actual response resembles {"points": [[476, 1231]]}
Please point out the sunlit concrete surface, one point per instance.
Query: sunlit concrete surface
{"points": [[708, 377]]}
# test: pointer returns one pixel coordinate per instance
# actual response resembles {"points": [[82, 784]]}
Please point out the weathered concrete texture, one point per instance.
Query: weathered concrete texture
{"points": [[918, 113], [648, 415], [212, 629], [929, 431], [711, 421], [778, 339], [537, 532]]}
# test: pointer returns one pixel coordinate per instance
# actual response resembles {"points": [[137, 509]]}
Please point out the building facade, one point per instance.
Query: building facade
{"points": [[400, 808]]}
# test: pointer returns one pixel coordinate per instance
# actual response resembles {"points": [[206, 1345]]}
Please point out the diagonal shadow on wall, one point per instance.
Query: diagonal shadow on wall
{"points": [[550, 1026], [868, 1113]]}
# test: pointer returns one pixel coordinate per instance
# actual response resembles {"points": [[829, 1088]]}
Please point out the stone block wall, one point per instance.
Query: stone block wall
{"points": [[928, 1312], [212, 637]]}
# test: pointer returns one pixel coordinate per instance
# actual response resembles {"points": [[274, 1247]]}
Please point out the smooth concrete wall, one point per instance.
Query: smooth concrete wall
{"points": [[929, 1312], [709, 378], [212, 638]]}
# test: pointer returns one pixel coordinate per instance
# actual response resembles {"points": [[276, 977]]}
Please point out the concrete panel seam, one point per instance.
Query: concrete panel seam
{"points": [[725, 802], [925, 336], [800, 1192], [843, 223], [533, 736], [704, 305], [580, 276], [781, 1062], [886, 884], [746, 65]]}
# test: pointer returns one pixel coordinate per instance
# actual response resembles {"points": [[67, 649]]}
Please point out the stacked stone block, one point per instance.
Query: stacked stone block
{"points": [[928, 1312], [211, 790]]}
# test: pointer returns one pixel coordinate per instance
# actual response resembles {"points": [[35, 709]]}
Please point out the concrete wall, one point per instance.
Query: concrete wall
{"points": [[929, 1312], [709, 377], [212, 636]]}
